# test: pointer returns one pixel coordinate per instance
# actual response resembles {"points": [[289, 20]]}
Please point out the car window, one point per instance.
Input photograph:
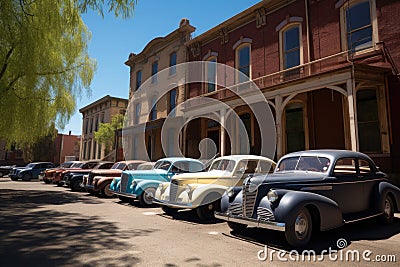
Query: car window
{"points": [[365, 167], [223, 165], [162, 165], [265, 167], [196, 167], [30, 165], [247, 166], [180, 167], [105, 166], [345, 166], [304, 163]]}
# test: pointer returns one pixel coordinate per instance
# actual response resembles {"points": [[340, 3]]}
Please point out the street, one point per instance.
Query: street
{"points": [[46, 225]]}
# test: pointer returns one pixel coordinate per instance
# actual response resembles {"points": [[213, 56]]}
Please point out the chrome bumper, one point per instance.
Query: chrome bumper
{"points": [[173, 205], [250, 221]]}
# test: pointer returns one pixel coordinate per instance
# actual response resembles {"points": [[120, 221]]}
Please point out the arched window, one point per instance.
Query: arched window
{"points": [[243, 62], [291, 46], [211, 74], [369, 134], [154, 71], [172, 63]]}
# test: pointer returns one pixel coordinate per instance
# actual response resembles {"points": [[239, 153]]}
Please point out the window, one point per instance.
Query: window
{"points": [[211, 74], [96, 124], [295, 137], [91, 125], [154, 71], [138, 79], [246, 120], [369, 134], [358, 26], [153, 111], [172, 102], [291, 47], [172, 63], [137, 113], [345, 166], [243, 63], [364, 166], [87, 126]]}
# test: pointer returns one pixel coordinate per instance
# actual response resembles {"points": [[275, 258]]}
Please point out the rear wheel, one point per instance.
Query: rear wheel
{"points": [[146, 198], [299, 228], [106, 191], [388, 210]]}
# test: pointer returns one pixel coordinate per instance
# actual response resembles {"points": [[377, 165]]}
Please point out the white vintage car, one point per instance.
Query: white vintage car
{"points": [[203, 190]]}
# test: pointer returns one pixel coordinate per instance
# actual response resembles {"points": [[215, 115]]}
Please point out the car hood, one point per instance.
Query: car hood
{"points": [[106, 172], [289, 177], [201, 177], [147, 174]]}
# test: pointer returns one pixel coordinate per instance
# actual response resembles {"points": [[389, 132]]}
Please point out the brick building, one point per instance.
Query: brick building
{"points": [[100, 111], [66, 146], [326, 68]]}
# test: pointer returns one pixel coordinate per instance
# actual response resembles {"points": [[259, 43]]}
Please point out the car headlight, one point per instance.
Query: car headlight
{"points": [[188, 189], [230, 193], [272, 196], [133, 183]]}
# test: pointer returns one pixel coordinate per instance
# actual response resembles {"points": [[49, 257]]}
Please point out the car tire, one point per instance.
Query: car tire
{"points": [[206, 212], [388, 210], [75, 185], [46, 181], [106, 192], [299, 228], [146, 198], [14, 178], [26, 177], [236, 227], [169, 211]]}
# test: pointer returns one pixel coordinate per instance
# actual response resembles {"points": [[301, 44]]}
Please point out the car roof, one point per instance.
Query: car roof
{"points": [[240, 157], [175, 159], [329, 153], [41, 162]]}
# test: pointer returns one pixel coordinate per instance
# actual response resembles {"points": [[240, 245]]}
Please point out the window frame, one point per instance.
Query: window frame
{"points": [[237, 62], [207, 84], [154, 72], [138, 79], [344, 5], [172, 64], [282, 52]]}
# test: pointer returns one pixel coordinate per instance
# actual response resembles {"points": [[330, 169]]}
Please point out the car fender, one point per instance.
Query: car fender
{"points": [[103, 181], [162, 194], [206, 194], [142, 185], [381, 190], [226, 201], [76, 177], [330, 215]]}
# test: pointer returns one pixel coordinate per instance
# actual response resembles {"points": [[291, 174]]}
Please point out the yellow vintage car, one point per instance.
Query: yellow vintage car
{"points": [[203, 190]]}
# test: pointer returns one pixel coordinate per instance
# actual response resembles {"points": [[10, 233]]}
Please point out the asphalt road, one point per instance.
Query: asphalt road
{"points": [[45, 225]]}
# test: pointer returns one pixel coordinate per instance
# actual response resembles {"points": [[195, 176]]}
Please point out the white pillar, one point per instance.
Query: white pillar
{"points": [[351, 100], [222, 131], [278, 125]]}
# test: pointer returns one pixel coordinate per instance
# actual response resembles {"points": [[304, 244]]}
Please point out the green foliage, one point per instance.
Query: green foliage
{"points": [[44, 63], [106, 132]]}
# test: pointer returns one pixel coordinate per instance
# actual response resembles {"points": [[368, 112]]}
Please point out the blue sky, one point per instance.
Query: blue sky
{"points": [[114, 38]]}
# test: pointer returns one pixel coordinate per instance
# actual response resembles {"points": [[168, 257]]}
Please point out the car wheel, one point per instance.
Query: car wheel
{"points": [[106, 191], [168, 210], [299, 228], [146, 198], [75, 185], [26, 177], [237, 227], [14, 178], [206, 212], [46, 181], [388, 210]]}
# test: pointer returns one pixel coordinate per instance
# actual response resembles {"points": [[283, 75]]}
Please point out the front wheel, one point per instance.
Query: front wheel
{"points": [[388, 210], [206, 212], [75, 185], [106, 191], [14, 178], [146, 198], [46, 181], [27, 177], [299, 228]]}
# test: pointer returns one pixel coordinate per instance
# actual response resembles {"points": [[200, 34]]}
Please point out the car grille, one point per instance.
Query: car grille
{"points": [[173, 190], [249, 199], [235, 209], [265, 214], [124, 182]]}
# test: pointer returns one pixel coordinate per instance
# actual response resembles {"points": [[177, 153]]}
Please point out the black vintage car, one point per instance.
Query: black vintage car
{"points": [[312, 190]]}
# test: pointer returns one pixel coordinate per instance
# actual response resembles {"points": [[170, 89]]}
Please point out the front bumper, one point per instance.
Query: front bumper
{"points": [[277, 226], [173, 205], [122, 194]]}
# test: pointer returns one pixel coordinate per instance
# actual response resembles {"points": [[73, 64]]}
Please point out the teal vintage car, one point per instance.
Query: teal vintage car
{"points": [[142, 184]]}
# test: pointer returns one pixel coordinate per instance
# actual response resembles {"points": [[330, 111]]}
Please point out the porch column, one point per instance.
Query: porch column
{"points": [[351, 100], [278, 125], [222, 131]]}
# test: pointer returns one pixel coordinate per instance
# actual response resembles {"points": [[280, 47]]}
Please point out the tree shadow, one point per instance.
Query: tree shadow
{"points": [[364, 230], [32, 235], [189, 216]]}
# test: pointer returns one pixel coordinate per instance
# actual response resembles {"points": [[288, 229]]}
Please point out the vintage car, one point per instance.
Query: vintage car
{"points": [[30, 171], [142, 184], [98, 181], [203, 191], [43, 176], [73, 178], [312, 190], [5, 170]]}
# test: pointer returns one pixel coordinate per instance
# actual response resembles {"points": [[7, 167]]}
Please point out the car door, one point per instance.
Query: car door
{"points": [[347, 188], [366, 173]]}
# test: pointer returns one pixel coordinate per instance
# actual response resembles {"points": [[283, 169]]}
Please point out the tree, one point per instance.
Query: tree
{"points": [[44, 63], [106, 133]]}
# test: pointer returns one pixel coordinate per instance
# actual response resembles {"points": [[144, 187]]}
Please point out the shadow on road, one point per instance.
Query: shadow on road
{"points": [[363, 230], [32, 235]]}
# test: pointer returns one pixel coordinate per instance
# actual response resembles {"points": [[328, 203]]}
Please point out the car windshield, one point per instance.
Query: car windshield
{"points": [[304, 163], [66, 164], [119, 166], [144, 166], [162, 165], [30, 165], [223, 165], [77, 165]]}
